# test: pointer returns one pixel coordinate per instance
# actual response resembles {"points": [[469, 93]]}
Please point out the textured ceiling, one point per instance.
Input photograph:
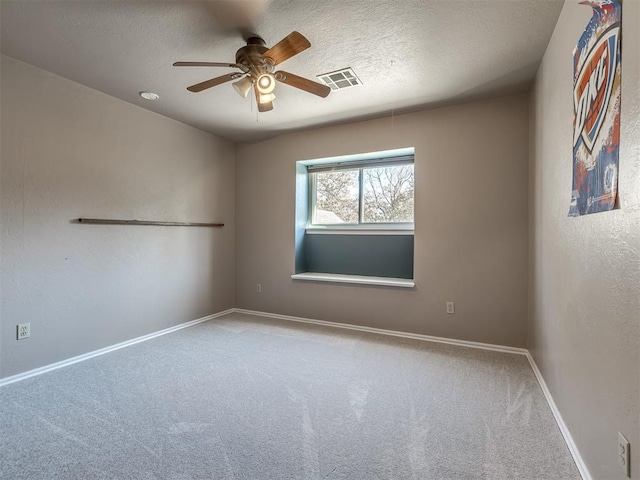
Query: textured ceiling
{"points": [[409, 54]]}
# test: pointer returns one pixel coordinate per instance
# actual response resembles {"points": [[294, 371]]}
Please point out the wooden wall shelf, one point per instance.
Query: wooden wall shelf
{"points": [[102, 221]]}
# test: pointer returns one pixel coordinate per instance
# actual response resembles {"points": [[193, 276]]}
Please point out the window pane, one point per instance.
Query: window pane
{"points": [[336, 197], [388, 194]]}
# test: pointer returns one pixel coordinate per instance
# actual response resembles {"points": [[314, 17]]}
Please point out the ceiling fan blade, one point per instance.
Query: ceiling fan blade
{"points": [[262, 107], [302, 83], [286, 48], [198, 87], [206, 64]]}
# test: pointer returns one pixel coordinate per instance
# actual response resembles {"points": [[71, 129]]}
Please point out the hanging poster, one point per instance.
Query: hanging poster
{"points": [[596, 106]]}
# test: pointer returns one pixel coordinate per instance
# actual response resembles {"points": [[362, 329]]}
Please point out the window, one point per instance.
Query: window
{"points": [[375, 193], [354, 219]]}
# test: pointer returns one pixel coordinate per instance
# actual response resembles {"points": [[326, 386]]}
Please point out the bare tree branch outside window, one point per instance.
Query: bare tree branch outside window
{"points": [[387, 195], [337, 197]]}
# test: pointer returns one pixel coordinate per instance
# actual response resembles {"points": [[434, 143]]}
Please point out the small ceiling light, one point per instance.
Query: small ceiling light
{"points": [[266, 83], [243, 86], [149, 95], [266, 97]]}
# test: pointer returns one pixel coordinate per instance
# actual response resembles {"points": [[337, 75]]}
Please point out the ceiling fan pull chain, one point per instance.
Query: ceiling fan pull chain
{"points": [[253, 98]]}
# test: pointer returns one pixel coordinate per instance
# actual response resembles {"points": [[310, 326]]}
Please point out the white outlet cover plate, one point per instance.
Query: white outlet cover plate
{"points": [[451, 308], [623, 454], [24, 330]]}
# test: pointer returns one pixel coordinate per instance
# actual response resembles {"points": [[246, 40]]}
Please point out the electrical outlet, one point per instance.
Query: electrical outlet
{"points": [[258, 288], [623, 454], [24, 330], [451, 307]]}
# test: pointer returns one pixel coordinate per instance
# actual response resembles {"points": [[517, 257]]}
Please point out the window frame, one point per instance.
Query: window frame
{"points": [[376, 228]]}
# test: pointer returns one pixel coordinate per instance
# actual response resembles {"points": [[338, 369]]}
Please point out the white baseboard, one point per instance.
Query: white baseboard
{"points": [[575, 453], [102, 351], [394, 333], [573, 449]]}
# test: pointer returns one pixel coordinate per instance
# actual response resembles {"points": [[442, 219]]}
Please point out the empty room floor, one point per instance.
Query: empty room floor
{"points": [[246, 397]]}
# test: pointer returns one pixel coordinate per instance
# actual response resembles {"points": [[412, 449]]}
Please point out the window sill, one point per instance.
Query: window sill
{"points": [[358, 231], [354, 279]]}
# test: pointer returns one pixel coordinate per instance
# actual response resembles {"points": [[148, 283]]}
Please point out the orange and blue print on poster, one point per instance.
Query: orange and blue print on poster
{"points": [[596, 106]]}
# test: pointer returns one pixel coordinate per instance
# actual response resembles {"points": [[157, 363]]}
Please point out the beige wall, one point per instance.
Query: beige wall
{"points": [[470, 228], [68, 152], [584, 329]]}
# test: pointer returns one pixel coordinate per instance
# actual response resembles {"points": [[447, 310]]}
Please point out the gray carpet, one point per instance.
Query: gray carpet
{"points": [[243, 397]]}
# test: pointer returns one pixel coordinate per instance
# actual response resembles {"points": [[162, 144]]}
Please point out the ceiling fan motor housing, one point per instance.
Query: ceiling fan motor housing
{"points": [[252, 56]]}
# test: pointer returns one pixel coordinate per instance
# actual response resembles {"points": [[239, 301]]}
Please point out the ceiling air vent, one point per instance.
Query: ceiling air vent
{"points": [[340, 79]]}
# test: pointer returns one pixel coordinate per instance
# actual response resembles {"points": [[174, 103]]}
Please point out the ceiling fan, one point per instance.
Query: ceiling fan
{"points": [[257, 64]]}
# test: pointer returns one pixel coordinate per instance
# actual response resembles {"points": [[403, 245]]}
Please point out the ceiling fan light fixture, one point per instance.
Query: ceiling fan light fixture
{"points": [[243, 86], [266, 83], [266, 97]]}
